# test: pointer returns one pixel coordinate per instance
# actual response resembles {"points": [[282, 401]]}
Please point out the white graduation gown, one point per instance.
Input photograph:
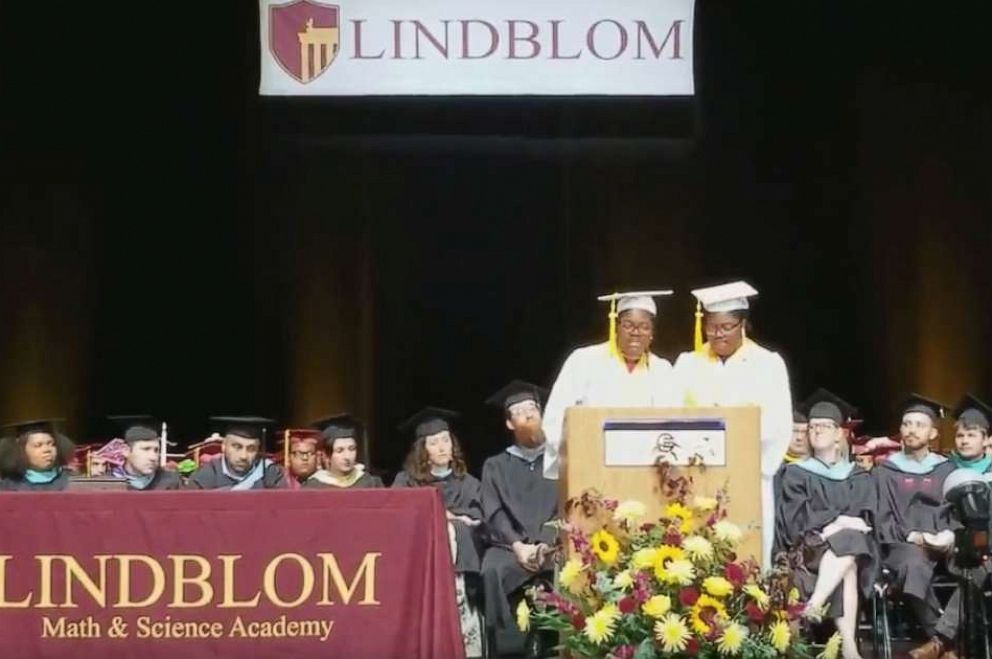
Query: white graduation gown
{"points": [[592, 376], [751, 376]]}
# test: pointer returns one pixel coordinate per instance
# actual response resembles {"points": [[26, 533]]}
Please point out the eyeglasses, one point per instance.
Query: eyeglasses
{"points": [[822, 427], [303, 455], [630, 327], [524, 408], [724, 329]]}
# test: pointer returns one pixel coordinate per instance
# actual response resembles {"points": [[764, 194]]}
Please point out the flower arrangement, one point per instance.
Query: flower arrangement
{"points": [[673, 587]]}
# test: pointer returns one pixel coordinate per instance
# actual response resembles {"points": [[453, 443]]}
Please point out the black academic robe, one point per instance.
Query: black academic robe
{"points": [[164, 480], [911, 502], [366, 480], [517, 502], [20, 485], [212, 477], [808, 502], [461, 496]]}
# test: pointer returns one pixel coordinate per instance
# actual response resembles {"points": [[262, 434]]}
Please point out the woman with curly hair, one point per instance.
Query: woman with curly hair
{"points": [[33, 456], [435, 460]]}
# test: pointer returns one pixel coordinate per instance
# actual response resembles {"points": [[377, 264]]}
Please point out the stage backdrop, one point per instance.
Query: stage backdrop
{"points": [[471, 47], [222, 574]]}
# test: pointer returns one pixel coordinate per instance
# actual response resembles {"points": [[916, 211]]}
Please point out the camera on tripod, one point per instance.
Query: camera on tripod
{"points": [[970, 497]]}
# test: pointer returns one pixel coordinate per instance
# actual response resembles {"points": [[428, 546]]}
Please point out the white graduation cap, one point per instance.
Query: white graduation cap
{"points": [[720, 299], [643, 300]]}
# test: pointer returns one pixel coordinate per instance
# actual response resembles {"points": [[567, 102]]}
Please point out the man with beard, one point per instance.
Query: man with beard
{"points": [[622, 372], [517, 504], [971, 432], [142, 468], [913, 525], [242, 465]]}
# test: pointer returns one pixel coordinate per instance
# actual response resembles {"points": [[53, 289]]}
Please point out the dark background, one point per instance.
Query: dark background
{"points": [[173, 243]]}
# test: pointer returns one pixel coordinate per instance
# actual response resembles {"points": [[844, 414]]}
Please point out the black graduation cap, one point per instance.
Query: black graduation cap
{"points": [[338, 426], [249, 427], [973, 412], [138, 427], [50, 426], [429, 421], [515, 392], [799, 417], [923, 405], [824, 404]]}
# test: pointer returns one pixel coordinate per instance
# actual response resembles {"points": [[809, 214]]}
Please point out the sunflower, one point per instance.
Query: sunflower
{"points": [[657, 606], [599, 626], [672, 633], [727, 531], [623, 580], [732, 639], [780, 635], [717, 586], [644, 558], [677, 511], [832, 648], [711, 608], [698, 548], [605, 546], [523, 615], [679, 572], [570, 574], [759, 596]]}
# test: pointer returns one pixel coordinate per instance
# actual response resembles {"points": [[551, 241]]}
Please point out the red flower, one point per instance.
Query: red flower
{"points": [[623, 652], [673, 538], [647, 528], [794, 611], [579, 621], [734, 574], [754, 612], [692, 647], [688, 596], [627, 605]]}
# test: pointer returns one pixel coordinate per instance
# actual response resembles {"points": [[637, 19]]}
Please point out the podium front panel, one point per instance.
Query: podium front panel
{"points": [[614, 451]]}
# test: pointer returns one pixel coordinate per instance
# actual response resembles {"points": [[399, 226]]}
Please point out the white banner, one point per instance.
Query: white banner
{"points": [[642, 443], [476, 47]]}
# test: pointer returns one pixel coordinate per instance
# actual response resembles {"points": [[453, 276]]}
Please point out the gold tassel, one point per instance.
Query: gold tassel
{"points": [[697, 338], [614, 351], [743, 331], [285, 451]]}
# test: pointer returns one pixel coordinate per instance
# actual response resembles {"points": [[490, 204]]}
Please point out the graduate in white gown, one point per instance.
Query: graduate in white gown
{"points": [[731, 370], [622, 372]]}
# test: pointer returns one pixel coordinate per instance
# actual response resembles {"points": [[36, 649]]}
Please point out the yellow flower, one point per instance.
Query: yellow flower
{"points": [[680, 572], [605, 546], [698, 548], [663, 556], [832, 648], [704, 504], [759, 596], [599, 626], [794, 596], [716, 607], [780, 635], [677, 512], [717, 586], [630, 511], [570, 573], [623, 580], [732, 639], [644, 558], [523, 615], [727, 531], [657, 606], [672, 633]]}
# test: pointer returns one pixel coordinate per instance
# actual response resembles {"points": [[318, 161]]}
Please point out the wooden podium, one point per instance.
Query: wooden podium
{"points": [[614, 450]]}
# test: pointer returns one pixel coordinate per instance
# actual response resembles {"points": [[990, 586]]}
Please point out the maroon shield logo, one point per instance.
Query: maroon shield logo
{"points": [[304, 36]]}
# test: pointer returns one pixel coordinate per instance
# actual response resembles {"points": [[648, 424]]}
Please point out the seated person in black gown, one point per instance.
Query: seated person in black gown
{"points": [[913, 523], [34, 455], [971, 433], [436, 460], [341, 436], [825, 510], [517, 504], [142, 468], [243, 464]]}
